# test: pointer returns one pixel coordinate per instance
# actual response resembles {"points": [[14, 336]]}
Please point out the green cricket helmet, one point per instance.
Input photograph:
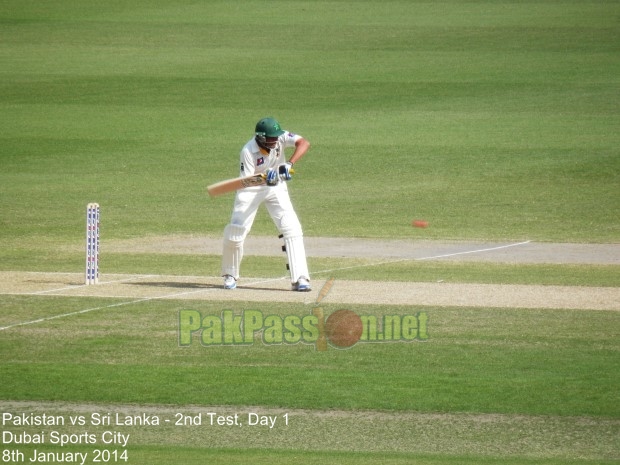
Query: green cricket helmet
{"points": [[267, 132]]}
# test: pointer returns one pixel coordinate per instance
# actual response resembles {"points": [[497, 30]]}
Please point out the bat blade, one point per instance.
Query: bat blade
{"points": [[232, 185]]}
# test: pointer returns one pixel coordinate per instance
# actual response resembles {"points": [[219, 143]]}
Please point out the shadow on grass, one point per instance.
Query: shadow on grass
{"points": [[178, 285]]}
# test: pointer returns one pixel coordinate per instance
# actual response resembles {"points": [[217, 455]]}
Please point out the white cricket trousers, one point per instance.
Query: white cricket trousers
{"points": [[278, 203]]}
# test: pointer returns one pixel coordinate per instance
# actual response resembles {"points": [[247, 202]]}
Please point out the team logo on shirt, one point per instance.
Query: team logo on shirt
{"points": [[260, 161]]}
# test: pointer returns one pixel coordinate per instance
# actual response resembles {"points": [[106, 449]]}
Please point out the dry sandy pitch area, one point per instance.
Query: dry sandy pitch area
{"points": [[137, 288]]}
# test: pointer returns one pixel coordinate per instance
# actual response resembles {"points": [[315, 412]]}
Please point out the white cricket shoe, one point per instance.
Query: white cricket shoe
{"points": [[302, 285], [229, 282]]}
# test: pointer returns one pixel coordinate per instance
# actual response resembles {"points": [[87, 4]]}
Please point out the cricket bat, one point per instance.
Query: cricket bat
{"points": [[232, 185]]}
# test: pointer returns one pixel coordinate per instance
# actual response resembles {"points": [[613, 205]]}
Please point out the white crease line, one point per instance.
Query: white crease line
{"points": [[120, 304], [490, 249], [80, 286], [177, 294]]}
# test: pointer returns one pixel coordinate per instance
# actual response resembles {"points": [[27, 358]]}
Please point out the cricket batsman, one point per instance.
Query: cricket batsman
{"points": [[265, 153]]}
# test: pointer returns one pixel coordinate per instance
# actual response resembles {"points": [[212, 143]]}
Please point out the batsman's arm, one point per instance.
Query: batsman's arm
{"points": [[301, 147]]}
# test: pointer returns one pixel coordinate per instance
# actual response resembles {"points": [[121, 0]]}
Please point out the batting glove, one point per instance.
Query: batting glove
{"points": [[286, 171], [272, 177]]}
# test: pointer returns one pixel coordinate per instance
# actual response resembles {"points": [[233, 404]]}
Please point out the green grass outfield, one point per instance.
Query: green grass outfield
{"points": [[502, 385], [492, 120]]}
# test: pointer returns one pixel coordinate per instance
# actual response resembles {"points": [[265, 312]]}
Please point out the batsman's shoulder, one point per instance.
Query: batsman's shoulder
{"points": [[292, 137]]}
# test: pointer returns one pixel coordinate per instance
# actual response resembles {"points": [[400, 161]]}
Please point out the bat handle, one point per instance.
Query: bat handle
{"points": [[264, 175], [292, 171]]}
